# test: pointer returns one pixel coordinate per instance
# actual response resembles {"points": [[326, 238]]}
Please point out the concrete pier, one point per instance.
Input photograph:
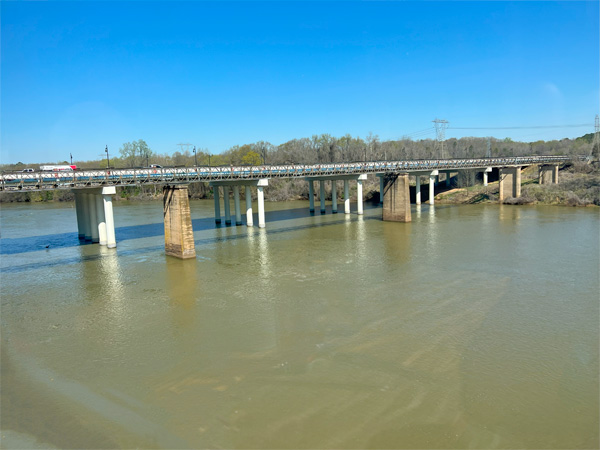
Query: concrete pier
{"points": [[249, 220], [80, 214], [548, 174], [381, 188], [179, 236], [217, 195], [485, 175], [322, 195], [510, 183], [107, 193], [432, 177], [261, 201], [418, 189], [334, 206], [311, 196], [236, 204], [396, 199], [227, 205], [359, 194], [101, 220], [346, 197], [95, 222], [91, 199]]}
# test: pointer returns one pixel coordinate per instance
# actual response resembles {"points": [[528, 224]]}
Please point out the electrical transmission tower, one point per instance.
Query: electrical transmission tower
{"points": [[596, 142], [440, 132], [187, 147]]}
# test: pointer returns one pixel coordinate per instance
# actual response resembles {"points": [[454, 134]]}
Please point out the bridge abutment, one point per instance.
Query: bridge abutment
{"points": [[510, 182], [179, 236]]}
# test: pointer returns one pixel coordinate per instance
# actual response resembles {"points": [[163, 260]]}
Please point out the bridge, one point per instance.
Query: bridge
{"points": [[94, 189]]}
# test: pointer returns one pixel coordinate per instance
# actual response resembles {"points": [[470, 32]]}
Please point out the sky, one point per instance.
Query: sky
{"points": [[79, 76]]}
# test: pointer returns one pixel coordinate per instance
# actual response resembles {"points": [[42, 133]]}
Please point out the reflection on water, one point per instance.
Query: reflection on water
{"points": [[471, 327]]}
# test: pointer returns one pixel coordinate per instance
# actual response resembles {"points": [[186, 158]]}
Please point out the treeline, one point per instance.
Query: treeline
{"points": [[325, 148]]}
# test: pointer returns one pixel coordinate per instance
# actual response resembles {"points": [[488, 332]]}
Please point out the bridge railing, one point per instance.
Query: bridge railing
{"points": [[14, 181]]}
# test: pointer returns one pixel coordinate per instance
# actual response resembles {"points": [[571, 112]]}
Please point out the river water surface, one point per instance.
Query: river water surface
{"points": [[471, 327]]}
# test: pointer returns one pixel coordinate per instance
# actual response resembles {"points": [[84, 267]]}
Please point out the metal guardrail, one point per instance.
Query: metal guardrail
{"points": [[37, 181]]}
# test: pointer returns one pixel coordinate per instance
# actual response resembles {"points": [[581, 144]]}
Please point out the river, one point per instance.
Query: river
{"points": [[474, 326]]}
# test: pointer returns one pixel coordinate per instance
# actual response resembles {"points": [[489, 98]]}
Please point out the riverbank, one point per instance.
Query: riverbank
{"points": [[577, 186]]}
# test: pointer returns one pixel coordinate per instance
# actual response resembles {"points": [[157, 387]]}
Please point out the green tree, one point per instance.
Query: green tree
{"points": [[128, 151], [251, 158]]}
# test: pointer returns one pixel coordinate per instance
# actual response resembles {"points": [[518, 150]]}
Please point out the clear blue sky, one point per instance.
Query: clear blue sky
{"points": [[77, 76]]}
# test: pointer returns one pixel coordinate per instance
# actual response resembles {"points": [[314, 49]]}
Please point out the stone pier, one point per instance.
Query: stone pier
{"points": [[179, 236], [396, 198], [510, 183]]}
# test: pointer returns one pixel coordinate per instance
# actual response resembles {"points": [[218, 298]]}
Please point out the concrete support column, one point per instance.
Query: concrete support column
{"points": [[431, 189], [80, 219], [91, 198], [359, 194], [448, 179], [346, 197], [261, 207], [485, 175], [418, 190], [396, 201], [322, 195], [311, 196], [179, 236], [334, 196], [548, 174], [217, 195], [227, 205], [107, 193], [510, 182], [381, 187], [236, 204], [249, 221], [87, 228], [101, 220]]}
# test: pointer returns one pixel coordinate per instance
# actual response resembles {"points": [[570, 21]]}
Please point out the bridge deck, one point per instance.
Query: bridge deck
{"points": [[36, 181]]}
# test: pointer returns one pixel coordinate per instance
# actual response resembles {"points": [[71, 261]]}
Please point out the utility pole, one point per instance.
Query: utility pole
{"points": [[71, 155], [440, 132], [107, 158], [195, 157]]}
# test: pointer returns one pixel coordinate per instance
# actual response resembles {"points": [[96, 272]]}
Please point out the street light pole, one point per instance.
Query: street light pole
{"points": [[195, 157], [71, 155], [107, 158], [209, 160]]}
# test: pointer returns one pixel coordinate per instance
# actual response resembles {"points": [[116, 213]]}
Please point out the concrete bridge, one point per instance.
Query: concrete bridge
{"points": [[94, 189]]}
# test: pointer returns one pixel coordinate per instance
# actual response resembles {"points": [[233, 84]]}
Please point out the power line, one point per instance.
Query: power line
{"points": [[580, 125]]}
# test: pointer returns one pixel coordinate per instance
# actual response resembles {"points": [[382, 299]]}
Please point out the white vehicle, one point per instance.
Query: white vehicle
{"points": [[58, 168]]}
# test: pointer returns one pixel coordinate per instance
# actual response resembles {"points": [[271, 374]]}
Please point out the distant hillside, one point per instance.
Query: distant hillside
{"points": [[588, 138]]}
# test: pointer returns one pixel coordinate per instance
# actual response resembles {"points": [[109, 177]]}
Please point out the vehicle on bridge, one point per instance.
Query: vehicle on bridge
{"points": [[57, 168]]}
